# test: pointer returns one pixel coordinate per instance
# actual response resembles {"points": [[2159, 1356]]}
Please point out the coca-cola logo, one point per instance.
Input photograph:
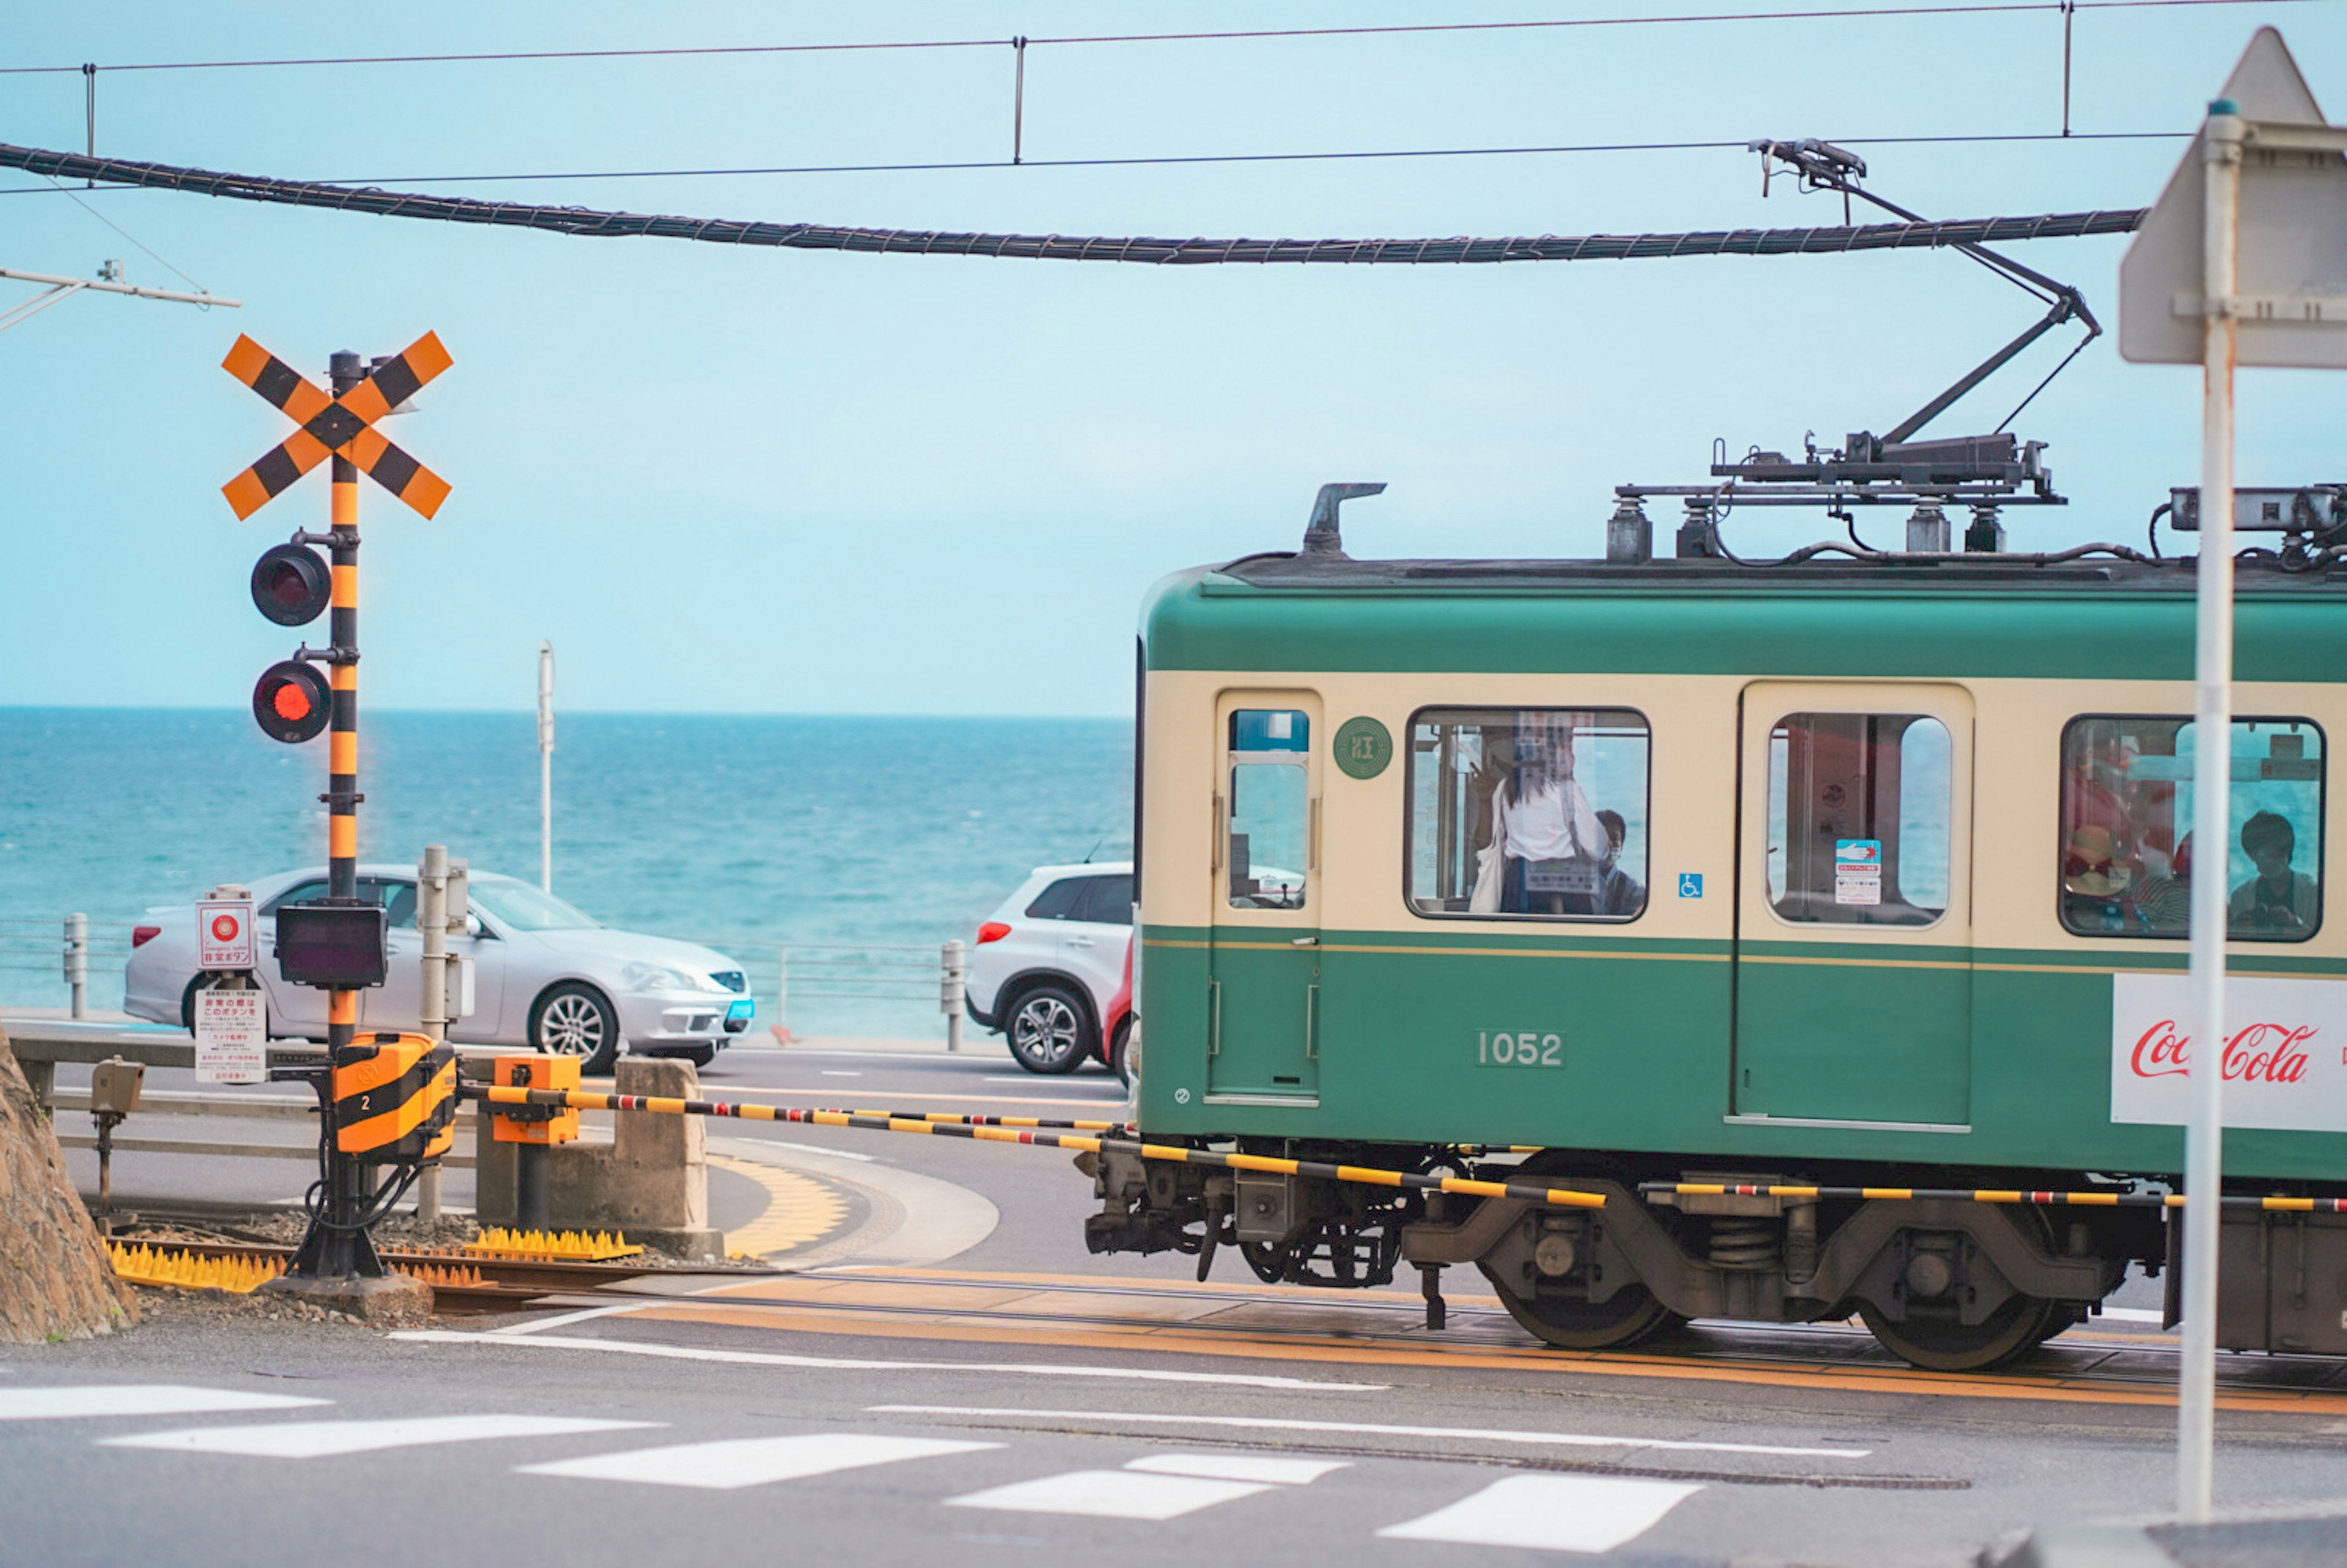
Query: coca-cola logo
{"points": [[2259, 1053]]}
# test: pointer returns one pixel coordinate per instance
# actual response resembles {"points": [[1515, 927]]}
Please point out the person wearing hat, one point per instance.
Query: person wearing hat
{"points": [[2095, 881]]}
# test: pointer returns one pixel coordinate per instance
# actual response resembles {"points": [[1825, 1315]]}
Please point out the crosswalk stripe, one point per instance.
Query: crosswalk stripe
{"points": [[751, 1461], [1111, 1494], [1240, 1467], [1549, 1514], [136, 1400], [318, 1440]]}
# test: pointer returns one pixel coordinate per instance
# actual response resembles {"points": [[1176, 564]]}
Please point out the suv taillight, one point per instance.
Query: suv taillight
{"points": [[142, 935], [992, 931]]}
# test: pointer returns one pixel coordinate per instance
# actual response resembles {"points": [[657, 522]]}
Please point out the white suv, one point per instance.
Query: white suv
{"points": [[1049, 967]]}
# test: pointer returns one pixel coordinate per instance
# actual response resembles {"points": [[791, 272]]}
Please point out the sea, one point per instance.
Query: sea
{"points": [[861, 843]]}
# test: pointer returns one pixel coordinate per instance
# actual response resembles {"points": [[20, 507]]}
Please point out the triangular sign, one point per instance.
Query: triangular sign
{"points": [[2293, 234]]}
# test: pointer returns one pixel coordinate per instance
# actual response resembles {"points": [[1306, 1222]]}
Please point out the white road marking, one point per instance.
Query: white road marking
{"points": [[1109, 1495], [751, 1461], [319, 1440], [563, 1320], [1549, 1514], [836, 1072], [2130, 1314], [1241, 1467], [136, 1400], [1283, 1424], [815, 1149], [862, 1364]]}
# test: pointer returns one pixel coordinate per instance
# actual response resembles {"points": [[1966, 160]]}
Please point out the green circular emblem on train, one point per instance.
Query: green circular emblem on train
{"points": [[1364, 747]]}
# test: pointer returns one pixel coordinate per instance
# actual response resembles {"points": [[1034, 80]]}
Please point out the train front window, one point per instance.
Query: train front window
{"points": [[1536, 813], [2127, 855], [1858, 818], [1268, 846]]}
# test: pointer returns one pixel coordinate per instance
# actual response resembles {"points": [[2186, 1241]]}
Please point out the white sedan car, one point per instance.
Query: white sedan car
{"points": [[544, 976]]}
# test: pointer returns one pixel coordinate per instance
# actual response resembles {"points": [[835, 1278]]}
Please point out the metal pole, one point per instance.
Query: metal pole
{"points": [[77, 962], [432, 1021], [951, 992], [545, 767], [2212, 756]]}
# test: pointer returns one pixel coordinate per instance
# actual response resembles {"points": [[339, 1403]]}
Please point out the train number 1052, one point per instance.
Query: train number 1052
{"points": [[1520, 1050]]}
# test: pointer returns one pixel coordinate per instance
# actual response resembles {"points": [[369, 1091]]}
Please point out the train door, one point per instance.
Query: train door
{"points": [[1264, 974], [1853, 953]]}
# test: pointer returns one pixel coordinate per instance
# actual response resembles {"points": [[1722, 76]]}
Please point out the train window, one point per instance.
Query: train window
{"points": [[1268, 848], [1528, 812], [1858, 818], [2126, 828]]}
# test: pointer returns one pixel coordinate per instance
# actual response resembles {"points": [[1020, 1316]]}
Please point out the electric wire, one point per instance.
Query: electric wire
{"points": [[2006, 7], [590, 223], [130, 236]]}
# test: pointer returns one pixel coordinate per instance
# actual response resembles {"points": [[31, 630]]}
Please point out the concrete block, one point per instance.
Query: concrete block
{"points": [[649, 1178]]}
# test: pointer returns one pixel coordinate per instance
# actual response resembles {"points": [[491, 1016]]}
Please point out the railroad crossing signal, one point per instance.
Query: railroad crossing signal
{"points": [[391, 1097], [342, 427]]}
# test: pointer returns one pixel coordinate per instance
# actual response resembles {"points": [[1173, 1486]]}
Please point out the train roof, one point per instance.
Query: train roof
{"points": [[1293, 572], [1944, 618]]}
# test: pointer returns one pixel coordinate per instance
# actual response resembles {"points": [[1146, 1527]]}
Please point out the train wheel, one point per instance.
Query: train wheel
{"points": [[1269, 1259], [1632, 1314], [2018, 1326]]}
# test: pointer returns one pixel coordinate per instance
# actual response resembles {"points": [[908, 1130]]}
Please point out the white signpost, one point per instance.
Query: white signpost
{"points": [[2242, 262], [231, 1036]]}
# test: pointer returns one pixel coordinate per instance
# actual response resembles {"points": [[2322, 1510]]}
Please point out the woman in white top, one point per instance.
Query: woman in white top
{"points": [[1547, 852]]}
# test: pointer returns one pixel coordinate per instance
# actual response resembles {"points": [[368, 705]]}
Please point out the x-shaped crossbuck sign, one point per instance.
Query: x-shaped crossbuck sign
{"points": [[336, 426]]}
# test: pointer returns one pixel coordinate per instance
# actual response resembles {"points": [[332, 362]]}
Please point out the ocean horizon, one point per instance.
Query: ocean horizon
{"points": [[744, 830]]}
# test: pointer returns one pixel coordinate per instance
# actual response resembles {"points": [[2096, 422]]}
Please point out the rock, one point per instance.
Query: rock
{"points": [[56, 1279]]}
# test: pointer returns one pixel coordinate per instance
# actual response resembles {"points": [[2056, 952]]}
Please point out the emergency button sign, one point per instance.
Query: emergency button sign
{"points": [[224, 934]]}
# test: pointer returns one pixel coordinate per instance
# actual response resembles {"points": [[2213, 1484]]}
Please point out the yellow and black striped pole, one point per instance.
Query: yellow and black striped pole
{"points": [[341, 795]]}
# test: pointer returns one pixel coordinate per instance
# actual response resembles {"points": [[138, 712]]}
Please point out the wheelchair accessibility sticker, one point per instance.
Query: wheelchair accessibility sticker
{"points": [[1690, 883]]}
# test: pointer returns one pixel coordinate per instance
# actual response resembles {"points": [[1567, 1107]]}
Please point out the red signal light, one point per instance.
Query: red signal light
{"points": [[292, 704], [142, 935], [992, 931]]}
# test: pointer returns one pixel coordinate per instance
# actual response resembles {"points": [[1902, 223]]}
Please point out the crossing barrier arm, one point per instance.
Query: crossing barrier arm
{"points": [[1017, 1130]]}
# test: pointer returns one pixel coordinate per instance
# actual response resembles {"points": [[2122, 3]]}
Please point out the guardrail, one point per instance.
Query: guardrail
{"points": [[41, 1044], [27, 947], [867, 971]]}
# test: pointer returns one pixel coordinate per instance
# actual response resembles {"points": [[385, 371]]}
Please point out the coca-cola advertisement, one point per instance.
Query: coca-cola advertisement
{"points": [[2284, 1058]]}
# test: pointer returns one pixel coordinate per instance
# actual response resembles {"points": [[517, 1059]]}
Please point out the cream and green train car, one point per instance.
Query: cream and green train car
{"points": [[1859, 874]]}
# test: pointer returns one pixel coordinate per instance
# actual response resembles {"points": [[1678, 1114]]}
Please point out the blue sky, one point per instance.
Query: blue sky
{"points": [[777, 481]]}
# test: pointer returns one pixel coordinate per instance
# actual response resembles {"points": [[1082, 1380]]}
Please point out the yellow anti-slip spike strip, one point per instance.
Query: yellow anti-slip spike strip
{"points": [[1984, 1195], [570, 1246], [144, 1264], [877, 1121]]}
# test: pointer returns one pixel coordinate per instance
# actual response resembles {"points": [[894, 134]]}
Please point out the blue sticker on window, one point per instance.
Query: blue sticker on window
{"points": [[1690, 883]]}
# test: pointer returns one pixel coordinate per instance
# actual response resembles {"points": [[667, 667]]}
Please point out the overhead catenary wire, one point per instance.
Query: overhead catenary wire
{"points": [[1400, 29], [588, 223]]}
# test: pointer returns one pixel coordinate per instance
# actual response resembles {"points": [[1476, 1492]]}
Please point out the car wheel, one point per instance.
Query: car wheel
{"points": [[1048, 1031], [1120, 1051], [204, 980], [573, 1020]]}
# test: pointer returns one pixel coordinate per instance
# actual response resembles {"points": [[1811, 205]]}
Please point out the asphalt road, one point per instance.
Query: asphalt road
{"points": [[682, 1431]]}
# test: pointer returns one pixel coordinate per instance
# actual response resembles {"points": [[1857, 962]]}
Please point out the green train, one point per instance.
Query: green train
{"points": [[1864, 870]]}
